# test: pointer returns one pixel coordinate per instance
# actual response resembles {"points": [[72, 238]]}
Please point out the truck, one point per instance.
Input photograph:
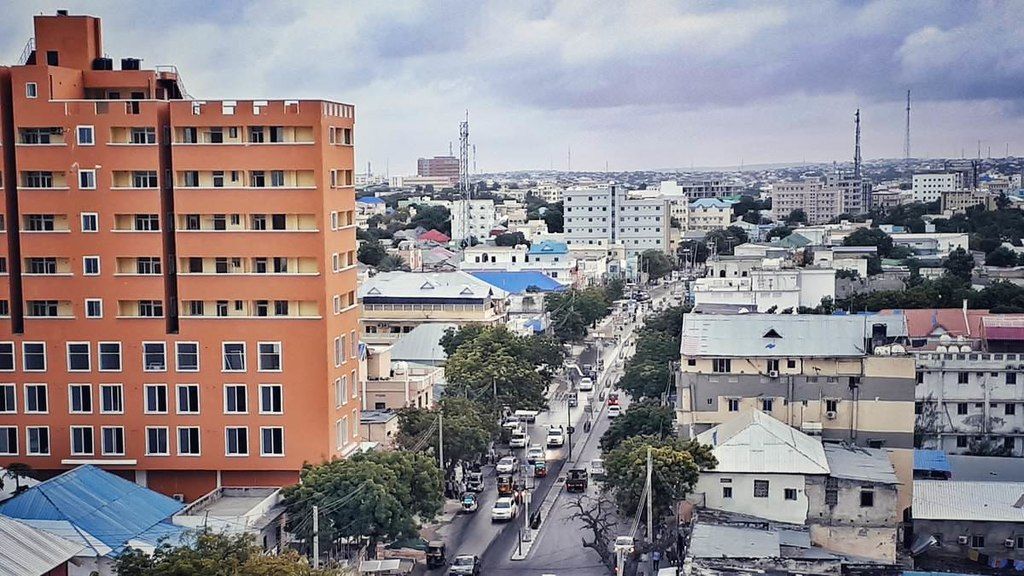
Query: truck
{"points": [[576, 480]]}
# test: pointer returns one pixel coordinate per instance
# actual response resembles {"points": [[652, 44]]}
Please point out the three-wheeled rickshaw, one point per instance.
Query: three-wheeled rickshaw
{"points": [[436, 554], [540, 468], [505, 485]]}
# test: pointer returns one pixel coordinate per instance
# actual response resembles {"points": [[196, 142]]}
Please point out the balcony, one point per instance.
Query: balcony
{"points": [[133, 136], [249, 309], [240, 179], [47, 266], [140, 309], [243, 135], [42, 180], [149, 223], [49, 136], [258, 266], [48, 309], [247, 223], [139, 266], [134, 180], [41, 223]]}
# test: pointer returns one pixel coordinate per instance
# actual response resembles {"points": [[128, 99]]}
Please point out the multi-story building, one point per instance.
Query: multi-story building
{"points": [[714, 188], [821, 198], [929, 186], [179, 303], [473, 219], [707, 214], [439, 167], [605, 216], [768, 288], [393, 303], [958, 201]]}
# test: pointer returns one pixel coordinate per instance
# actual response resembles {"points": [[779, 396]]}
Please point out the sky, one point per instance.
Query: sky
{"points": [[650, 84]]}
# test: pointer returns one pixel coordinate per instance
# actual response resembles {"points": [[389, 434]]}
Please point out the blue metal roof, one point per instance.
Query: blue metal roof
{"points": [[108, 507], [711, 203], [518, 282], [931, 460], [370, 200], [549, 247]]}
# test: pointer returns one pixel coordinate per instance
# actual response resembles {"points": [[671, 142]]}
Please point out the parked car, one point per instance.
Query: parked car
{"points": [[597, 468], [505, 508], [586, 384], [556, 436], [436, 554], [614, 410], [534, 452], [507, 465], [519, 438], [465, 565], [469, 502], [576, 481], [613, 398], [475, 481]]}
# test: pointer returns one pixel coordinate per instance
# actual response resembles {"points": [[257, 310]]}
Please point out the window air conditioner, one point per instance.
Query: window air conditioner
{"points": [[961, 539], [831, 415], [773, 373], [178, 497], [1009, 542]]}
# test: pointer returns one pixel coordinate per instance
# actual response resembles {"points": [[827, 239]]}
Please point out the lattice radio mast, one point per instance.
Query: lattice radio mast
{"points": [[906, 137], [464, 157], [856, 147]]}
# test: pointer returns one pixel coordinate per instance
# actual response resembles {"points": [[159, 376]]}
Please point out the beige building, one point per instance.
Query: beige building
{"points": [[821, 198], [393, 303], [958, 201], [379, 427], [392, 385]]}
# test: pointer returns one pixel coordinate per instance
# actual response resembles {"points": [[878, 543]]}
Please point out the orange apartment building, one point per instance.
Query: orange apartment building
{"points": [[177, 300]]}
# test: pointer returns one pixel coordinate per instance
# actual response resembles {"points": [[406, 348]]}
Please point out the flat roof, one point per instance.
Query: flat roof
{"points": [[230, 502], [714, 541], [376, 416], [783, 335], [968, 500]]}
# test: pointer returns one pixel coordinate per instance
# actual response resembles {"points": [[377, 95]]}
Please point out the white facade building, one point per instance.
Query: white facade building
{"points": [[929, 187], [605, 216], [472, 218], [762, 289]]}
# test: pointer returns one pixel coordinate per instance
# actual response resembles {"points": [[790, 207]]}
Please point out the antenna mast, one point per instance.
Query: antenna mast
{"points": [[856, 149], [464, 157], [906, 137]]}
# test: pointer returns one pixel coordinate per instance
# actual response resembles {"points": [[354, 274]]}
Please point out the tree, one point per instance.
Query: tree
{"points": [[779, 232], [574, 310], [656, 264], [645, 418], [468, 429], [377, 495], [432, 218], [959, 264], [726, 240], [647, 373], [676, 466], [870, 237], [692, 251], [371, 253], [874, 265], [206, 553], [1001, 257], [391, 263], [597, 514], [455, 337], [554, 219], [797, 216], [510, 239]]}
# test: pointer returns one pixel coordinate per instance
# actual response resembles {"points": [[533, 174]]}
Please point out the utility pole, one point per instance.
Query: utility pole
{"points": [[906, 137], [650, 512], [568, 427], [316, 536], [440, 440]]}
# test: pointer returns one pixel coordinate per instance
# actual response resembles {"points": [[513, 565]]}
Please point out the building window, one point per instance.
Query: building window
{"points": [[962, 377], [961, 408], [236, 441], [156, 398], [154, 356], [235, 399], [760, 488], [156, 441], [31, 90], [147, 179], [341, 431], [113, 440], [977, 541], [1010, 409], [8, 399], [93, 308], [110, 356], [790, 363], [790, 493], [773, 366], [187, 356], [87, 179], [33, 356], [148, 265], [86, 136], [767, 404], [90, 222], [234, 357], [271, 401], [38, 443], [961, 441], [111, 399], [1011, 378], [721, 365], [151, 308], [79, 399], [6, 356], [147, 222], [270, 357], [188, 398], [726, 491], [272, 441], [9, 441], [78, 357], [831, 405], [81, 441], [36, 399], [734, 404], [146, 135], [188, 441]]}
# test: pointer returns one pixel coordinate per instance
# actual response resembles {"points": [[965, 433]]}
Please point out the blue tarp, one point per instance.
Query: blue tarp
{"points": [[931, 461], [518, 282], [108, 507], [549, 247]]}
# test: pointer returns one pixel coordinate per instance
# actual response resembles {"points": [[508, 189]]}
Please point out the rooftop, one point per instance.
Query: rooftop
{"points": [[457, 285], [27, 550], [705, 203], [782, 335], [755, 442], [978, 468], [549, 247], [968, 500], [518, 282], [715, 541], [370, 200], [376, 416], [422, 344], [861, 464]]}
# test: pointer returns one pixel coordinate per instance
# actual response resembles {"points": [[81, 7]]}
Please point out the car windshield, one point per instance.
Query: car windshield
{"points": [[463, 561], [507, 460], [503, 504]]}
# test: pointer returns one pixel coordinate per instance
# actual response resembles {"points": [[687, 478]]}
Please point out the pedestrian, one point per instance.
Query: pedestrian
{"points": [[656, 557]]}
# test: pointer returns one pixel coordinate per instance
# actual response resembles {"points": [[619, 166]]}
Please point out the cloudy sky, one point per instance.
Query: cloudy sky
{"points": [[645, 84]]}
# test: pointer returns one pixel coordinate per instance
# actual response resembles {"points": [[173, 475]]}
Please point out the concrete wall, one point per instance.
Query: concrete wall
{"points": [[947, 531], [774, 507], [851, 528]]}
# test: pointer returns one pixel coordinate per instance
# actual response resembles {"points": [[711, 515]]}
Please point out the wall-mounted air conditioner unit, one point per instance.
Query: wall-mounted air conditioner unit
{"points": [[831, 415]]}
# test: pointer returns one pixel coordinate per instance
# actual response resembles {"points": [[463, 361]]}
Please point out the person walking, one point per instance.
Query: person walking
{"points": [[656, 557]]}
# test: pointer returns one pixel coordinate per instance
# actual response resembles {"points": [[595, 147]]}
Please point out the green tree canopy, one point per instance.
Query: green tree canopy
{"points": [[379, 495], [1001, 257], [391, 263], [432, 218], [676, 466], [574, 310], [554, 219], [647, 373], [510, 239], [797, 216], [779, 232], [371, 252], [468, 429], [215, 554], [645, 418], [656, 263], [959, 264], [726, 240], [870, 237]]}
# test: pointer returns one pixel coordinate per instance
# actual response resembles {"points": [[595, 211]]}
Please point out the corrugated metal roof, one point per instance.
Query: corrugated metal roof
{"points": [[803, 335], [549, 247], [106, 506], [968, 500], [862, 464], [714, 541], [756, 442], [984, 468], [27, 551], [931, 461], [422, 344], [518, 282], [66, 530], [449, 285]]}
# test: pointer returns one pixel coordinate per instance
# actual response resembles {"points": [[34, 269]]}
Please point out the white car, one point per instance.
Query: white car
{"points": [[614, 411], [507, 465], [505, 508], [519, 439], [597, 468], [556, 436], [624, 544], [586, 384], [534, 452]]}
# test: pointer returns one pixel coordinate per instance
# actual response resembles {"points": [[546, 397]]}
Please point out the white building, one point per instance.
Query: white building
{"points": [[605, 216], [936, 243], [707, 214], [764, 288], [821, 199], [472, 219], [929, 187]]}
